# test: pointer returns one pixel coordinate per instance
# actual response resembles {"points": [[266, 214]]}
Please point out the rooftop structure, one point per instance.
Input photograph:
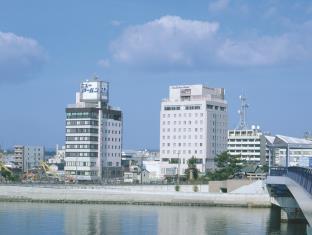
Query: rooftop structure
{"points": [[242, 113]]}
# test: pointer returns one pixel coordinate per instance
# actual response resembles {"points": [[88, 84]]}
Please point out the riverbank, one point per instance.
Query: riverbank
{"points": [[148, 195]]}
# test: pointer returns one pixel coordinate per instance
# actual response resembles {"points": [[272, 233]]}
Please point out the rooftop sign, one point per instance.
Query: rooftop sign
{"points": [[94, 91]]}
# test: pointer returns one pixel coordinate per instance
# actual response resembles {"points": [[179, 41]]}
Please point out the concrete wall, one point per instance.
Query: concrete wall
{"points": [[230, 185], [129, 196]]}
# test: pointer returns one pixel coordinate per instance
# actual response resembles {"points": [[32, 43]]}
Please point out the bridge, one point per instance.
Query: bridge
{"points": [[290, 188]]}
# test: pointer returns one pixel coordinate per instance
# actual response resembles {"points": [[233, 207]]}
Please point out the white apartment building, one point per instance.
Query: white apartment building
{"points": [[28, 157], [247, 143], [93, 134], [193, 123]]}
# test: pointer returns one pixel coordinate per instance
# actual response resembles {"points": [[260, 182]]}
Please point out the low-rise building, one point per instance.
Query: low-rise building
{"points": [[298, 151], [28, 157], [247, 144]]}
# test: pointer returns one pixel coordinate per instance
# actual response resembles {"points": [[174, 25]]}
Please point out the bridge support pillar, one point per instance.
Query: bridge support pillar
{"points": [[290, 210], [292, 214]]}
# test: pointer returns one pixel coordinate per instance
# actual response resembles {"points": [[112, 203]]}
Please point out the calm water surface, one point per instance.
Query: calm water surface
{"points": [[40, 218]]}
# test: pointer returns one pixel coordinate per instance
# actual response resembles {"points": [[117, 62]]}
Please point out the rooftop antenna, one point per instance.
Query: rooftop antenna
{"points": [[242, 113]]}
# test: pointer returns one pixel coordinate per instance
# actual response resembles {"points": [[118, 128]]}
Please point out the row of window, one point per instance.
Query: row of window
{"points": [[112, 154], [81, 146], [112, 139], [244, 145], [82, 122], [244, 140], [117, 124], [183, 160], [81, 154], [221, 108], [81, 138], [111, 131], [182, 152], [81, 130], [112, 147], [112, 116], [76, 115], [182, 144], [167, 108], [184, 115], [183, 129], [111, 164], [78, 163], [86, 173], [184, 137], [244, 151], [193, 107]]}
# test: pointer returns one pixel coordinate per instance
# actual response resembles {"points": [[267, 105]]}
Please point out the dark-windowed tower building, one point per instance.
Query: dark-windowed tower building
{"points": [[93, 134]]}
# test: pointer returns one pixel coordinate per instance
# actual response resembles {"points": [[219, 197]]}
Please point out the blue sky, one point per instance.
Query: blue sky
{"points": [[260, 48]]}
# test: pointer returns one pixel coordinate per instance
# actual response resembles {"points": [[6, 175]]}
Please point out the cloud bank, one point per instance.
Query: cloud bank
{"points": [[20, 58], [174, 43]]}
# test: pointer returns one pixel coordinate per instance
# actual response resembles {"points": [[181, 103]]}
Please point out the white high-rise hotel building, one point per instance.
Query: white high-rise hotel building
{"points": [[93, 134], [193, 123]]}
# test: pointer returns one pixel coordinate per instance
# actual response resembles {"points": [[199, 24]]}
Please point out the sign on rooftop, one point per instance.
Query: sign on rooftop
{"points": [[94, 91]]}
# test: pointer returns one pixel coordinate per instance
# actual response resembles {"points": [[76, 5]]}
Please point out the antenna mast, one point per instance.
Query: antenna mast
{"points": [[242, 113]]}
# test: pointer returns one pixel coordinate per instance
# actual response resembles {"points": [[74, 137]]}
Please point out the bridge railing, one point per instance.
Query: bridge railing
{"points": [[278, 171], [302, 176]]}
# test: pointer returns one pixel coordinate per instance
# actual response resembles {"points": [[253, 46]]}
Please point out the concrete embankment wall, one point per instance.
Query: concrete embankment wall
{"points": [[129, 195]]}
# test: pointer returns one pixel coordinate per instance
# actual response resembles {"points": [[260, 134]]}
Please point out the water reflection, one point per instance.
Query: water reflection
{"points": [[36, 218]]}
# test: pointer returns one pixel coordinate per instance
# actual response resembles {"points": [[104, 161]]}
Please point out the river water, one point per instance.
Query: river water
{"points": [[41, 218]]}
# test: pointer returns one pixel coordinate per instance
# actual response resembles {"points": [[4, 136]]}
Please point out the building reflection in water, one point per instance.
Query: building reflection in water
{"points": [[41, 218]]}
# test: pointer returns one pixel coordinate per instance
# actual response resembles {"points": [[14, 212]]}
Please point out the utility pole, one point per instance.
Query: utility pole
{"points": [[76, 172], [141, 169], [178, 180]]}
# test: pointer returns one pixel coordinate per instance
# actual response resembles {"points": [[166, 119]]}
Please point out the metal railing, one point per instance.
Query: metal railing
{"points": [[278, 171], [302, 176]]}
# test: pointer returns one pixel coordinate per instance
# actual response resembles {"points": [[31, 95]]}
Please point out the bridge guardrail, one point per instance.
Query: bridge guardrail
{"points": [[302, 176], [278, 171]]}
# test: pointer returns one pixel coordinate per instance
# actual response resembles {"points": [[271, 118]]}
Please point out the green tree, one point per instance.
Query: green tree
{"points": [[191, 172], [227, 166]]}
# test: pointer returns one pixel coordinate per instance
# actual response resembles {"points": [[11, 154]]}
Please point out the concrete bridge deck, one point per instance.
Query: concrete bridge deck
{"points": [[303, 198]]}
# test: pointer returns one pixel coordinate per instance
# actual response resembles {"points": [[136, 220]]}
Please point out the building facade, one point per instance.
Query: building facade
{"points": [[248, 144], [28, 157], [193, 123], [18, 156], [93, 134], [298, 151]]}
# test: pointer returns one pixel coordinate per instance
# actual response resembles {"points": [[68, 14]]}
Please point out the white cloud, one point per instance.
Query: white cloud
{"points": [[218, 5], [104, 63], [167, 41], [20, 57], [172, 43], [115, 23]]}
